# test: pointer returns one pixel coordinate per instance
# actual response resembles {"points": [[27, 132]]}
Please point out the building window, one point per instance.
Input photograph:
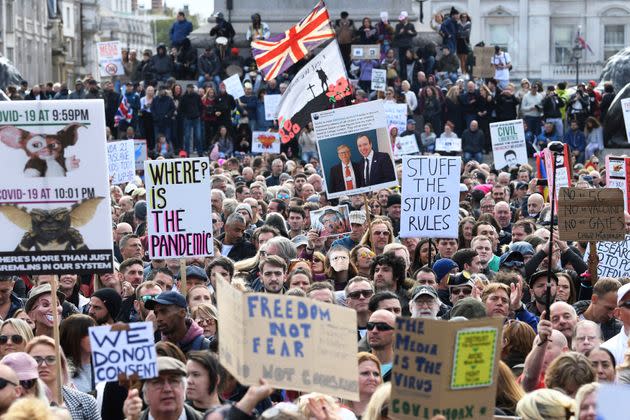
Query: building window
{"points": [[10, 54], [563, 37], [499, 35], [614, 39], [10, 16]]}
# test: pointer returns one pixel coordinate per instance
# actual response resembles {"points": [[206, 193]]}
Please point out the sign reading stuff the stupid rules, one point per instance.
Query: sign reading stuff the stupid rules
{"points": [[54, 193]]}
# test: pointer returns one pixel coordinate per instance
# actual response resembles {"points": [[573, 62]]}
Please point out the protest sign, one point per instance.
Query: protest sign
{"points": [[430, 197], [609, 398], [614, 258], [366, 52], [331, 221], [234, 87], [291, 342], [345, 137], [618, 175], [448, 144], [590, 215], [508, 143], [396, 115], [121, 163], [563, 170], [265, 142], [140, 153], [127, 349], [447, 368], [176, 227], [379, 79], [406, 145], [53, 156], [110, 58], [271, 106], [483, 67], [625, 106]]}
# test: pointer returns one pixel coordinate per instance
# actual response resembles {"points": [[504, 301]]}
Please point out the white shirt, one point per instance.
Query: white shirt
{"points": [[369, 165], [225, 249], [504, 59], [182, 416], [617, 345]]}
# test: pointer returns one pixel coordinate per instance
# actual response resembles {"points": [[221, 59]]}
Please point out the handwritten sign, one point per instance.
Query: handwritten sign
{"points": [[508, 143], [589, 215], [177, 228], [430, 378], [234, 87], [293, 343], [614, 258], [396, 115], [129, 350], [444, 144], [618, 175], [110, 58], [121, 161], [430, 197], [271, 106], [379, 79], [366, 52], [265, 142], [140, 152], [406, 145]]}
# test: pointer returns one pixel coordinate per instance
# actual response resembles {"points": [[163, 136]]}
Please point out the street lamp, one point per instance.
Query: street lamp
{"points": [[578, 53]]}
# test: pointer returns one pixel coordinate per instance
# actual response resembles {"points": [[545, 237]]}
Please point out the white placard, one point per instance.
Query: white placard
{"points": [[508, 143], [271, 107], [379, 79], [179, 208], [265, 142], [396, 115], [613, 258], [121, 161], [609, 398], [406, 145], [444, 144], [430, 197], [234, 87], [110, 58], [140, 152], [625, 106]]}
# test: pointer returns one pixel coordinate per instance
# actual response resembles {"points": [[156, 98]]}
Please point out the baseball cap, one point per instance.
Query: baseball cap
{"points": [[130, 188], [193, 271], [300, 240], [461, 279], [543, 273], [167, 364], [357, 217], [167, 298], [424, 290], [511, 259], [525, 248], [463, 188], [623, 290]]}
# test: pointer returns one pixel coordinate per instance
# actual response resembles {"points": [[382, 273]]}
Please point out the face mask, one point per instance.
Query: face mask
{"points": [[339, 262]]}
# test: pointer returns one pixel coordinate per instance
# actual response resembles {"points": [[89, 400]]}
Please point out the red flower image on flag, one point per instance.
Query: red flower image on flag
{"points": [[339, 90], [280, 52]]}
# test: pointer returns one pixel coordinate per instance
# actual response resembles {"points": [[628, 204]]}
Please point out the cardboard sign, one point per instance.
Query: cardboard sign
{"points": [[430, 197], [345, 137], [128, 350], [590, 215], [69, 181], [366, 52], [396, 115], [508, 143], [271, 106], [331, 221], [625, 107], [140, 153], [293, 343], [121, 161], [444, 144], [614, 258], [110, 58], [618, 175], [379, 79], [265, 142], [483, 67], [406, 145], [447, 368], [179, 208], [234, 87]]}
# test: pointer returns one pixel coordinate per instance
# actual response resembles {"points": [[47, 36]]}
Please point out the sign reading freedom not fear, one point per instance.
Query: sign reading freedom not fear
{"points": [[430, 197]]}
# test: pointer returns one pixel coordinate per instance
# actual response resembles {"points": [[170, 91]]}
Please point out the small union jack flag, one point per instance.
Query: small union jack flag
{"points": [[124, 112], [280, 52]]}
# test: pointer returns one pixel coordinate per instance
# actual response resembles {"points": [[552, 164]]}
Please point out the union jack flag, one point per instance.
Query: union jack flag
{"points": [[280, 52], [124, 112]]}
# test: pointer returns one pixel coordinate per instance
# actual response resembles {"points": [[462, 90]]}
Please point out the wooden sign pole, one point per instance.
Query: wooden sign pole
{"points": [[58, 395], [182, 276]]}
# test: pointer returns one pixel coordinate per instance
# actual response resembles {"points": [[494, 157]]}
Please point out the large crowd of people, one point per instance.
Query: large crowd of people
{"points": [[550, 363]]}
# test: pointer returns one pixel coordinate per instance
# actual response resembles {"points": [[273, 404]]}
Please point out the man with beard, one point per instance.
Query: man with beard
{"points": [[538, 290], [273, 274], [381, 326], [425, 303], [104, 306], [388, 273]]}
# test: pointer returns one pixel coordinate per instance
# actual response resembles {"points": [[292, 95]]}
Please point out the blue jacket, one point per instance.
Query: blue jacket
{"points": [[179, 31], [544, 139], [162, 107], [575, 139], [134, 102]]}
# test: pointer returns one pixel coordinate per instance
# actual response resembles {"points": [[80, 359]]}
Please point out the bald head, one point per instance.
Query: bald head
{"points": [[563, 318], [535, 203], [383, 315]]}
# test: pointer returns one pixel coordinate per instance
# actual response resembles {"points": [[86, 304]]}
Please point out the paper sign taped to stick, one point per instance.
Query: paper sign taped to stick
{"points": [[121, 162], [396, 115], [406, 145], [366, 52], [293, 343], [178, 228], [591, 215], [271, 107], [379, 79], [618, 176], [508, 143], [447, 368], [445, 144], [140, 148], [625, 106], [234, 87], [430, 197], [265, 142], [129, 351], [614, 258]]}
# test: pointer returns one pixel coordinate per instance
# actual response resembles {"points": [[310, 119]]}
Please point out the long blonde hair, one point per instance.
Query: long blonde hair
{"points": [[379, 400]]}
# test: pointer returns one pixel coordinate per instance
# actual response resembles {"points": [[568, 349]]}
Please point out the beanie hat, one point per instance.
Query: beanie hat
{"points": [[393, 199], [246, 207], [23, 364], [442, 266], [140, 210], [469, 308], [111, 299]]}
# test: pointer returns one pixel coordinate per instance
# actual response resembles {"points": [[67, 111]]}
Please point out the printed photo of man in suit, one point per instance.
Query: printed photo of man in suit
{"points": [[345, 175], [374, 167]]}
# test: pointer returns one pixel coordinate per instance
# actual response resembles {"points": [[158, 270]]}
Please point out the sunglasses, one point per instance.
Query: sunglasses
{"points": [[15, 339], [625, 305], [380, 326], [5, 382], [380, 233], [360, 293], [49, 360], [513, 264], [283, 196], [28, 383], [144, 298]]}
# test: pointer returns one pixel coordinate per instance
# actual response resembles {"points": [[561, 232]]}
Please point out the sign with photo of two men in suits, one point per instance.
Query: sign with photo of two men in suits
{"points": [[354, 149]]}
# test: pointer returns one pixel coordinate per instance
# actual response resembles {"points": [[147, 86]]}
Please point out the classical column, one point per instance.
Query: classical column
{"points": [[521, 56]]}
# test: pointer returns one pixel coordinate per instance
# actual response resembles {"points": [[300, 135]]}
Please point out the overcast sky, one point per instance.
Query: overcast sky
{"points": [[201, 7]]}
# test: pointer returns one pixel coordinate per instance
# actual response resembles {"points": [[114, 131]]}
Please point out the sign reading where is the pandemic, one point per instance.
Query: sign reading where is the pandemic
{"points": [[179, 208], [54, 194]]}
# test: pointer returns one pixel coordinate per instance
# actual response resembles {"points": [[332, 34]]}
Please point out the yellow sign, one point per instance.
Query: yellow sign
{"points": [[473, 361]]}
